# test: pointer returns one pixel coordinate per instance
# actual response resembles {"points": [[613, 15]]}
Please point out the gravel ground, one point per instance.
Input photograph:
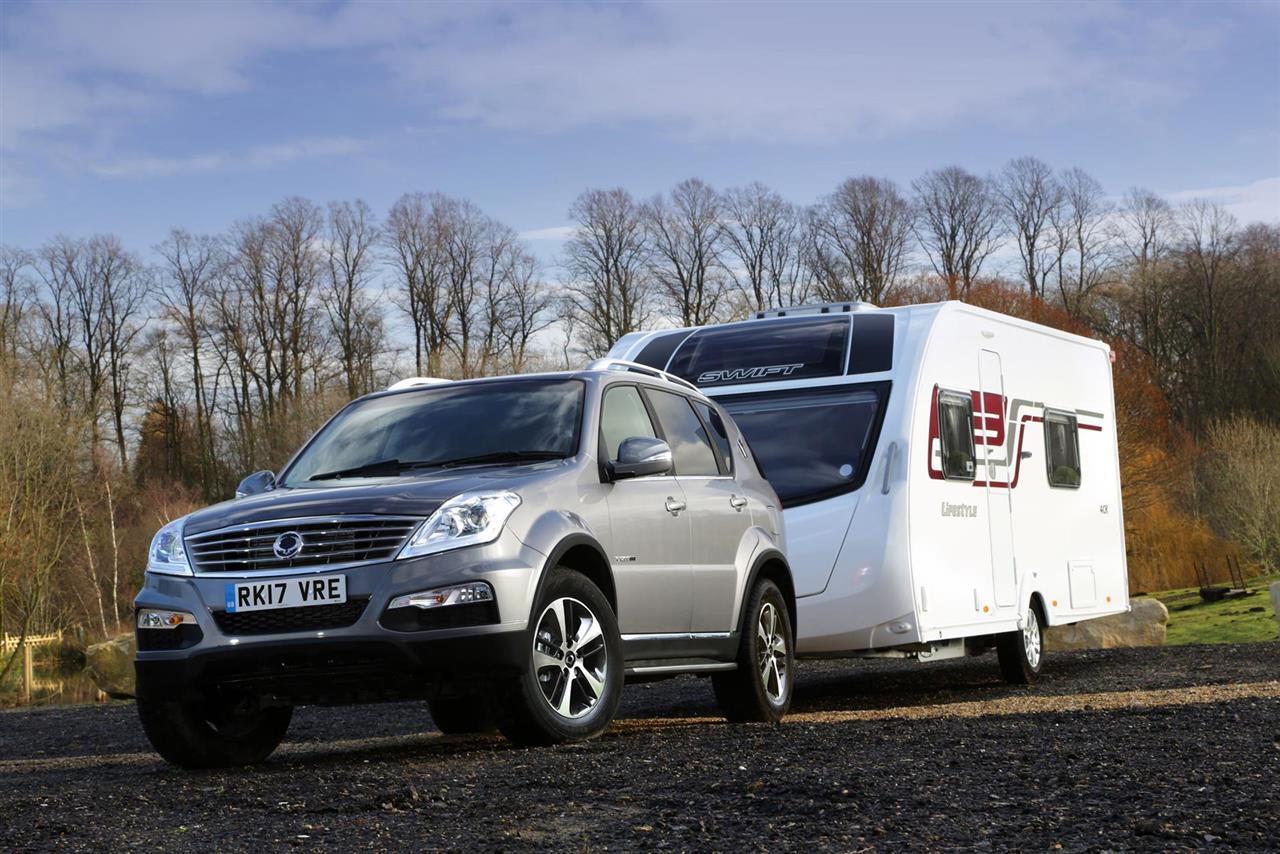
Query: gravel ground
{"points": [[1159, 749]]}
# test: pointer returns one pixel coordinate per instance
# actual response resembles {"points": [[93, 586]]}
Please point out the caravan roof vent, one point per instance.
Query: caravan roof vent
{"points": [[414, 382], [803, 310]]}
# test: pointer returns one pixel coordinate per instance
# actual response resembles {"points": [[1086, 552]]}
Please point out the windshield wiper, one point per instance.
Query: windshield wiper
{"points": [[501, 457], [390, 468], [381, 468]]}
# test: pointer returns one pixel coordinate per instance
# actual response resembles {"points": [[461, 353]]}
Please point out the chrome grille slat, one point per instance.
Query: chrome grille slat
{"points": [[327, 541]]}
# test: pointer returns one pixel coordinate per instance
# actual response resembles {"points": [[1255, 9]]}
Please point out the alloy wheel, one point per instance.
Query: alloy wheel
{"points": [[1031, 639], [771, 653], [570, 660]]}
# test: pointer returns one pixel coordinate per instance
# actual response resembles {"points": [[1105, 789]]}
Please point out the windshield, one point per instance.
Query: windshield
{"points": [[810, 444], [396, 434]]}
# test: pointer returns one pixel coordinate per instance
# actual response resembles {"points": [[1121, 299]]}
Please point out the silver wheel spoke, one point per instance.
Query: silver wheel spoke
{"points": [[541, 660], [564, 706], [589, 634], [596, 684]]}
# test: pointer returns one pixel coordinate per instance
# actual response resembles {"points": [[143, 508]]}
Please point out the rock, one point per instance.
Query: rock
{"points": [[1275, 600], [1145, 624], [110, 665]]}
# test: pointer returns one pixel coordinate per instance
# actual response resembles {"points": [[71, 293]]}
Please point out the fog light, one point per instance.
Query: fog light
{"points": [[151, 619], [458, 594]]}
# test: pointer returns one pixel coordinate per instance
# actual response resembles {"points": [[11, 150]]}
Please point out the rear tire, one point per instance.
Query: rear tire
{"points": [[759, 691], [462, 715], [571, 680], [1021, 652], [193, 734]]}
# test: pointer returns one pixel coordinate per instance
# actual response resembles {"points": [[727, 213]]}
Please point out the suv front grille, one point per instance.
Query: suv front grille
{"points": [[281, 620], [340, 540]]}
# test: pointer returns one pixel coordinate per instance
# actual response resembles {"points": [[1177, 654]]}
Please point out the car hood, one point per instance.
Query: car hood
{"points": [[418, 495]]}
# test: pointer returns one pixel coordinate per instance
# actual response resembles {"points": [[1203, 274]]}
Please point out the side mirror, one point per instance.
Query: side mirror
{"points": [[259, 481], [640, 456]]}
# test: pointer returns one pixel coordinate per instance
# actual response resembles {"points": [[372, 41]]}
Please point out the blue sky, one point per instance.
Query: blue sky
{"points": [[132, 118]]}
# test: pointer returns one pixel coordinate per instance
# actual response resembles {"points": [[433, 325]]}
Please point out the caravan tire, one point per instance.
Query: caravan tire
{"points": [[1021, 651]]}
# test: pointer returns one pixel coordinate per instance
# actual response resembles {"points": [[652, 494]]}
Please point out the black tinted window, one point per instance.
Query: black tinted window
{"points": [[623, 416], [810, 445], [764, 351], [719, 435], [955, 434], [448, 422], [1062, 449], [690, 445]]}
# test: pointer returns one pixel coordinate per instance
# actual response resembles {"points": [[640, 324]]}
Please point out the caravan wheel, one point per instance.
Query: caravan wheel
{"points": [[1021, 652]]}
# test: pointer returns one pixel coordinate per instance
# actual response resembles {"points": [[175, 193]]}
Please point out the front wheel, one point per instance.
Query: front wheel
{"points": [[571, 679], [212, 734], [1021, 652], [759, 690]]}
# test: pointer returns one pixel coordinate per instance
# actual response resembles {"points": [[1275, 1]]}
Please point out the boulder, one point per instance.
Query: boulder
{"points": [[110, 665], [1275, 600], [1145, 624]]}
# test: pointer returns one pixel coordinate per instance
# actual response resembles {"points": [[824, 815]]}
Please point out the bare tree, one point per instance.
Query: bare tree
{"points": [[193, 267], [1081, 224], [1143, 229], [606, 263], [761, 231], [1209, 237], [354, 318], [860, 239], [15, 300], [525, 309], [958, 224], [412, 234], [125, 288], [1243, 484], [1031, 197], [687, 238]]}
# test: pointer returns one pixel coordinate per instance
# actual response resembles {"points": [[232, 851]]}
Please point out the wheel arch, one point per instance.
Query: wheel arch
{"points": [[583, 554], [772, 564]]}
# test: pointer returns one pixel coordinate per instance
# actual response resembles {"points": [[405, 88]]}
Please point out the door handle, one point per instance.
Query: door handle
{"points": [[737, 502], [673, 506]]}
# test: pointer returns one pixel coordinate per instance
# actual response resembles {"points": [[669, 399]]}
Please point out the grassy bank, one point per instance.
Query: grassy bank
{"points": [[1239, 619]]}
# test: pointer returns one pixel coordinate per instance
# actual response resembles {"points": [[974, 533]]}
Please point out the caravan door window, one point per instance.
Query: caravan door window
{"points": [[1062, 449], [811, 444], [955, 434]]}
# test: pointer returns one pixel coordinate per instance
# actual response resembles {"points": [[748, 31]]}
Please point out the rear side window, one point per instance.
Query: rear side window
{"points": [[955, 434], [690, 445], [719, 435], [622, 416], [811, 444], [1062, 449]]}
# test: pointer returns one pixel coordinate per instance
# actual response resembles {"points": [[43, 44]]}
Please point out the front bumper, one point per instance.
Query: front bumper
{"points": [[364, 659]]}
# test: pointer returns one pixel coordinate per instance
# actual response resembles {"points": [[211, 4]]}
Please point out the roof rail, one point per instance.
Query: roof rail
{"points": [[414, 382], [636, 367], [824, 308]]}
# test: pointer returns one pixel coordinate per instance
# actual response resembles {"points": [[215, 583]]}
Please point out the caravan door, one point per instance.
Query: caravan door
{"points": [[995, 446]]}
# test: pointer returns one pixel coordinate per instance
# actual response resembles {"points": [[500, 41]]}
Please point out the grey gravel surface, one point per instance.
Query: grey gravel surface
{"points": [[1158, 749]]}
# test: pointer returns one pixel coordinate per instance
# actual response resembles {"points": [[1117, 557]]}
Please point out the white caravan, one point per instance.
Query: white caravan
{"points": [[949, 475]]}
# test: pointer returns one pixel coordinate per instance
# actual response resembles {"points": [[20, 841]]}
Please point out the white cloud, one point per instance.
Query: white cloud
{"points": [[556, 233], [1258, 201], [258, 157]]}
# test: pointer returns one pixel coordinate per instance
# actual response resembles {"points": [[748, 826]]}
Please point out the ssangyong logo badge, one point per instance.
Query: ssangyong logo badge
{"points": [[741, 374], [287, 545]]}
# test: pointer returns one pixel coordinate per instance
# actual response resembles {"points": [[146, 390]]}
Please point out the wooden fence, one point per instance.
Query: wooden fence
{"points": [[8, 643]]}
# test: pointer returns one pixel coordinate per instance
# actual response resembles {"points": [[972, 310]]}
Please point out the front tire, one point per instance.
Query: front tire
{"points": [[211, 734], [1021, 652], [571, 680], [759, 690]]}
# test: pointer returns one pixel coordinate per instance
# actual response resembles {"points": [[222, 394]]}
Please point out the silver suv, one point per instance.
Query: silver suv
{"points": [[508, 549]]}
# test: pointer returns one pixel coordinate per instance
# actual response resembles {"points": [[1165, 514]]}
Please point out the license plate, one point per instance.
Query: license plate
{"points": [[286, 593]]}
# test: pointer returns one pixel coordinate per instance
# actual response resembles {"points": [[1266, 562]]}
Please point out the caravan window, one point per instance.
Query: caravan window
{"points": [[1062, 449], [770, 351], [811, 444], [955, 434]]}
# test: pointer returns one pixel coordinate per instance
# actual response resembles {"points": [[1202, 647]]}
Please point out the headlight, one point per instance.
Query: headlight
{"points": [[168, 554], [470, 519]]}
